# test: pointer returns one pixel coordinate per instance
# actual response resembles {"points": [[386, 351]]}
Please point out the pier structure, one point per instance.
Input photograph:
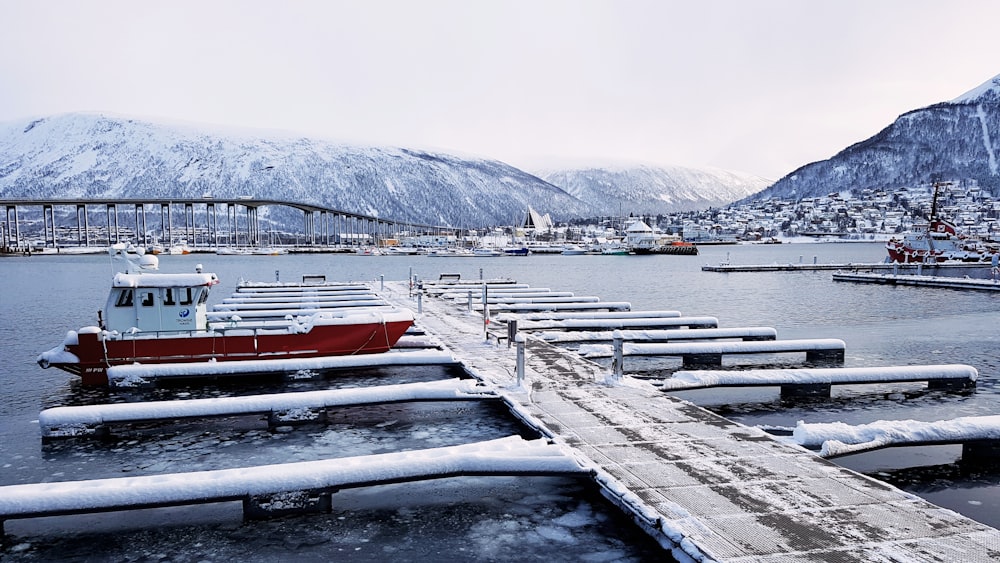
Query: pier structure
{"points": [[708, 488], [206, 222]]}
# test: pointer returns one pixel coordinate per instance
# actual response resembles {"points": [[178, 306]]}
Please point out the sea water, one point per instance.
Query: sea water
{"points": [[481, 518]]}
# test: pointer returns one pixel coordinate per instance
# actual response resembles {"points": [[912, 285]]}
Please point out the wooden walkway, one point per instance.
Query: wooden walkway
{"points": [[706, 487]]}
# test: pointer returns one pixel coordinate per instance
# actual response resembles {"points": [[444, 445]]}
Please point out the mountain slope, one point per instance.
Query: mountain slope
{"points": [[647, 189], [91, 155], [956, 140]]}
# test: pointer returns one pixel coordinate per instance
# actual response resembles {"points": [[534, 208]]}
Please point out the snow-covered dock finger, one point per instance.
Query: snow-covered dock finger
{"points": [[61, 422], [506, 456], [837, 438], [945, 375], [125, 375]]}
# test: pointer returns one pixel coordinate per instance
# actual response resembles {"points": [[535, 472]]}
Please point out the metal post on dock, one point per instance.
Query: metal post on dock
{"points": [[519, 364], [480, 273], [381, 282], [920, 268], [618, 360], [815, 259], [511, 331], [486, 312], [470, 301]]}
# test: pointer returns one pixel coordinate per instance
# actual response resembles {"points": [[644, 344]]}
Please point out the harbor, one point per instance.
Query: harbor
{"points": [[553, 371]]}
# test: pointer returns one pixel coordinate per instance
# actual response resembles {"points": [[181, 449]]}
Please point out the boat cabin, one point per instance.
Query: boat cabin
{"points": [[158, 302]]}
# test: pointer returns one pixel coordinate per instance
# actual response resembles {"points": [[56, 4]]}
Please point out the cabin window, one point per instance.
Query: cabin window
{"points": [[186, 298], [147, 298], [168, 296], [124, 298], [203, 296]]}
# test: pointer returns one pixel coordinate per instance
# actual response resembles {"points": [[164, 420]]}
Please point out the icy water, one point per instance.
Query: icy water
{"points": [[466, 519]]}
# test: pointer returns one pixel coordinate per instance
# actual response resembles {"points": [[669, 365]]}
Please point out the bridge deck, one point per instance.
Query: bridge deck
{"points": [[712, 488]]}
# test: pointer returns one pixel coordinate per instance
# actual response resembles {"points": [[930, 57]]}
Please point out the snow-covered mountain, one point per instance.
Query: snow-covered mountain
{"points": [[647, 189], [93, 155], [955, 140], [98, 155]]}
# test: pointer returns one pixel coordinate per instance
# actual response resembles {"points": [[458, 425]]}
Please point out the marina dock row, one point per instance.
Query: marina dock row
{"points": [[707, 488], [710, 488]]}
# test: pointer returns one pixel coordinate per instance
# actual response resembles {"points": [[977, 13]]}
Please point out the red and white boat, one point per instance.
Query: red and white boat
{"points": [[939, 242], [152, 317]]}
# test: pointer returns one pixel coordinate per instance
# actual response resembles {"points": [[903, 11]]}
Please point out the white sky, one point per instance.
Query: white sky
{"points": [[760, 86]]}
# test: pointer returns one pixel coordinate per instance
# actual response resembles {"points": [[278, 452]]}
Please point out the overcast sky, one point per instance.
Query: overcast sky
{"points": [[758, 86]]}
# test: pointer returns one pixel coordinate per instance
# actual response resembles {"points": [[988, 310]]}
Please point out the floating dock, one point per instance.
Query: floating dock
{"points": [[712, 489], [85, 420], [920, 281], [273, 490], [848, 266], [978, 435]]}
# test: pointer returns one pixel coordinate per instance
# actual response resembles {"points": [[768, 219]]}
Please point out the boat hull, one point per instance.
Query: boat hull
{"points": [[95, 351]]}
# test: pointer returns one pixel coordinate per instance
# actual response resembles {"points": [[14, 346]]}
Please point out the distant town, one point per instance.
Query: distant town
{"points": [[867, 215]]}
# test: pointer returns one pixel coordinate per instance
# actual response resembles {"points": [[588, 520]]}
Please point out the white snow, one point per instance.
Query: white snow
{"points": [[132, 374], [511, 455], [838, 438], [817, 376], [61, 421], [725, 347]]}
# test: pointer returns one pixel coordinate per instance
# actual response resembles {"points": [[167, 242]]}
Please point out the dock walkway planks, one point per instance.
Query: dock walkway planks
{"points": [[710, 488]]}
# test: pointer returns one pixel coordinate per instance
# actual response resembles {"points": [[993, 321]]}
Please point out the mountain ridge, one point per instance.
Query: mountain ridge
{"points": [[95, 155]]}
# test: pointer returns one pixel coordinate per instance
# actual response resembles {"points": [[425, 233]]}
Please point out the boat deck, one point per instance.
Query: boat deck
{"points": [[707, 487]]}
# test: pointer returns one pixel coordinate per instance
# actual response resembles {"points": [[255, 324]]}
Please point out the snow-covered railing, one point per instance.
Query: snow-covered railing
{"points": [[980, 435], [816, 382], [617, 323], [278, 287], [710, 353], [521, 292], [744, 333], [298, 298], [262, 487], [588, 315], [62, 422], [128, 375], [577, 306]]}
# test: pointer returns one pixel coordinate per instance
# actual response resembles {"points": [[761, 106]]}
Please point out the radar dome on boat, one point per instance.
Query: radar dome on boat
{"points": [[149, 262]]}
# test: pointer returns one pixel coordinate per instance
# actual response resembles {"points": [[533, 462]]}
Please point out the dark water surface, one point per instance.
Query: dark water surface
{"points": [[499, 519]]}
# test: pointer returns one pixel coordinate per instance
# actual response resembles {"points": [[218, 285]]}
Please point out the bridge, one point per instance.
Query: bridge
{"points": [[206, 222]]}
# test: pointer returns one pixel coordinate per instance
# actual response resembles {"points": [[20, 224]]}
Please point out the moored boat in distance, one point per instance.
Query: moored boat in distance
{"points": [[152, 317], [939, 242]]}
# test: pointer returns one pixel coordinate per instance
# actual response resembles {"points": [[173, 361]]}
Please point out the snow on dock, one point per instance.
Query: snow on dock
{"points": [[59, 422], [922, 281], [259, 486], [297, 298], [744, 333], [709, 489], [806, 266], [710, 353], [574, 306], [617, 323], [350, 301], [278, 287], [979, 434], [554, 316], [937, 376], [126, 375], [351, 306]]}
